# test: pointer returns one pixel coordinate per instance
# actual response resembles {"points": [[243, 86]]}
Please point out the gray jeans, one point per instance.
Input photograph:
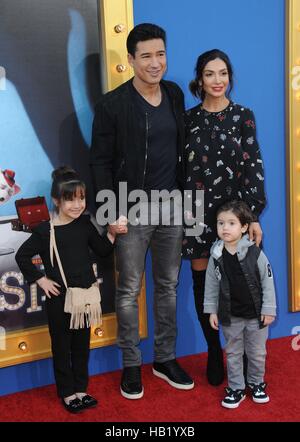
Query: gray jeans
{"points": [[244, 335], [165, 242]]}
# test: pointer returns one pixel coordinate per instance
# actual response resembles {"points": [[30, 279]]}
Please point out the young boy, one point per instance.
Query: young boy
{"points": [[240, 294]]}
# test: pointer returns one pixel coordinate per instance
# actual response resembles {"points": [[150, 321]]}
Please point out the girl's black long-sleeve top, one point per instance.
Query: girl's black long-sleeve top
{"points": [[74, 241]]}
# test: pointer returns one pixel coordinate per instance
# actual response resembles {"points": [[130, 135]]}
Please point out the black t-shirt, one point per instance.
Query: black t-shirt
{"points": [[160, 124], [242, 304]]}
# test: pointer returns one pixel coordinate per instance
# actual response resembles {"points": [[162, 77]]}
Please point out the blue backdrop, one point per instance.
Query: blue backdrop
{"points": [[253, 35]]}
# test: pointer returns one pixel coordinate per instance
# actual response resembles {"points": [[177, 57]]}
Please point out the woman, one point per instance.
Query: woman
{"points": [[223, 159]]}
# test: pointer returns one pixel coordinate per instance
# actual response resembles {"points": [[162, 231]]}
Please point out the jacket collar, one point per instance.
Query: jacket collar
{"points": [[242, 248]]}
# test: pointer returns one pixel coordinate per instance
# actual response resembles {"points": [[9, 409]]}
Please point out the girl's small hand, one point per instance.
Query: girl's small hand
{"points": [[213, 320], [267, 319], [111, 237], [119, 227], [48, 286], [122, 225]]}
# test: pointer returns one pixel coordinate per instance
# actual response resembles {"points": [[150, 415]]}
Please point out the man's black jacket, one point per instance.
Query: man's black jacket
{"points": [[119, 145]]}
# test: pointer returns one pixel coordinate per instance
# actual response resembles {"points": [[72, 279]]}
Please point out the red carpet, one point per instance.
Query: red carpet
{"points": [[162, 403]]}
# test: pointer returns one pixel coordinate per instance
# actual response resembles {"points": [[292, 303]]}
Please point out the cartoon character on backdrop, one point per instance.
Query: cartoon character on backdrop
{"points": [[8, 188]]}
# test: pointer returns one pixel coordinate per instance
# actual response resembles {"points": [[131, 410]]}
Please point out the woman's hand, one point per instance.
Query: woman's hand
{"points": [[48, 286], [214, 322], [255, 233]]}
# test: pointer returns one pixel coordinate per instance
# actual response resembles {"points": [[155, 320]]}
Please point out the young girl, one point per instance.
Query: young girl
{"points": [[74, 234], [240, 294]]}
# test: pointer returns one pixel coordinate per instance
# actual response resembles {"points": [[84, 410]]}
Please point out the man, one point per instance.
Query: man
{"points": [[138, 138]]}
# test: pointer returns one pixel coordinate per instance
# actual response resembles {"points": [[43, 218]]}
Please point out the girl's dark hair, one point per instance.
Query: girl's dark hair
{"points": [[144, 32], [240, 209], [202, 61], [66, 184]]}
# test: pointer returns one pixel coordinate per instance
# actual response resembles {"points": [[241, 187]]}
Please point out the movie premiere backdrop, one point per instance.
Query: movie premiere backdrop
{"points": [[49, 84]]}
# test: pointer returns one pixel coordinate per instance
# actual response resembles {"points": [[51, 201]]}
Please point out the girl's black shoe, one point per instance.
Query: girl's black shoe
{"points": [[74, 406], [88, 401]]}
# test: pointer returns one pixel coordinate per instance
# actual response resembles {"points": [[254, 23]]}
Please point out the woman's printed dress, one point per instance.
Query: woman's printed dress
{"points": [[223, 159]]}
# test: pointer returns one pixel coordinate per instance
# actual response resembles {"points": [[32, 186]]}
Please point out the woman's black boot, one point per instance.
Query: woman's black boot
{"points": [[215, 364]]}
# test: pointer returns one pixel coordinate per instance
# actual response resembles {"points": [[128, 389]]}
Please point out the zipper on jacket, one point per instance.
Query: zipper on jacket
{"points": [[121, 165], [179, 153], [146, 150]]}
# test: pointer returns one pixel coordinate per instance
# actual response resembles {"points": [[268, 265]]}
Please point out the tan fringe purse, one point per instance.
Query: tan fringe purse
{"points": [[84, 305]]}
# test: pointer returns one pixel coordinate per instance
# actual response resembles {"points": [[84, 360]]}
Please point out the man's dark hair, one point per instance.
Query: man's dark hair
{"points": [[143, 32], [240, 209]]}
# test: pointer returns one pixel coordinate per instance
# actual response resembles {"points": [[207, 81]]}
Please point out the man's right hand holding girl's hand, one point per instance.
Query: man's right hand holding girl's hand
{"points": [[119, 227]]}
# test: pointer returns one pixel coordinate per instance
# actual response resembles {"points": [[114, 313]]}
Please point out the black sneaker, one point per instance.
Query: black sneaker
{"points": [[171, 372], [131, 383], [233, 398], [258, 393], [74, 406]]}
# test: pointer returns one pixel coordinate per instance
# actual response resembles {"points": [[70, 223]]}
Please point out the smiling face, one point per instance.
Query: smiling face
{"points": [[71, 209], [215, 79], [149, 63], [229, 227]]}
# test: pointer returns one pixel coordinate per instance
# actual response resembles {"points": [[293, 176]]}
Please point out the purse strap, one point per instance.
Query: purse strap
{"points": [[53, 247]]}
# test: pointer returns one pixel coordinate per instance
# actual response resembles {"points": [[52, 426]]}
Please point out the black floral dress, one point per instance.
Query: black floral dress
{"points": [[222, 159]]}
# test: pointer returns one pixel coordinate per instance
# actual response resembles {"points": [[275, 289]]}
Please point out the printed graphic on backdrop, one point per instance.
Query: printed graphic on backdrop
{"points": [[49, 84]]}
